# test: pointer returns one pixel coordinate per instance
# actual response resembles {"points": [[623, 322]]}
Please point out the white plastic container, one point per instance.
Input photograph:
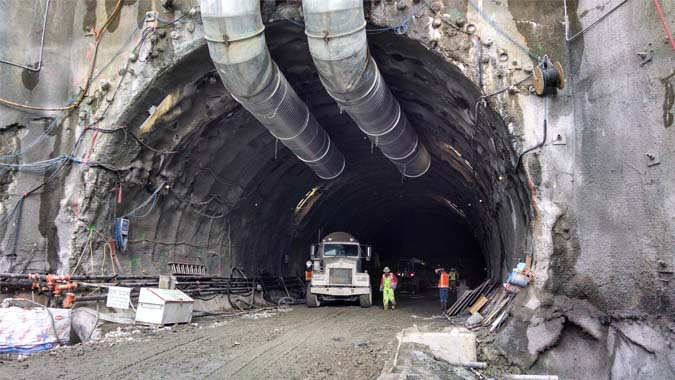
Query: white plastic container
{"points": [[163, 307]]}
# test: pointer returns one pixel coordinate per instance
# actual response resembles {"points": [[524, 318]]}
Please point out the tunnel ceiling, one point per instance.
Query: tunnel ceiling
{"points": [[231, 165]]}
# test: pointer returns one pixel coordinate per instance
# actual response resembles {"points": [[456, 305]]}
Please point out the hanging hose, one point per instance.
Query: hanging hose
{"points": [[238, 300], [543, 141]]}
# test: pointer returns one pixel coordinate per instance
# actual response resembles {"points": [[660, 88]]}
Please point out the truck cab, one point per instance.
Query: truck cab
{"points": [[338, 271]]}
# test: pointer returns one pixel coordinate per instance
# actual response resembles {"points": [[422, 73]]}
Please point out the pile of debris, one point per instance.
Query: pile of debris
{"points": [[489, 303]]}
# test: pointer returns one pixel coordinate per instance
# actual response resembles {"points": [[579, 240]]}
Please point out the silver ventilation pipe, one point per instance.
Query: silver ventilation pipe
{"points": [[336, 32], [234, 33]]}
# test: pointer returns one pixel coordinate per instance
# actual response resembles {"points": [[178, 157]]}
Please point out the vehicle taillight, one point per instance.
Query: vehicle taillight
{"points": [[412, 274], [398, 274]]}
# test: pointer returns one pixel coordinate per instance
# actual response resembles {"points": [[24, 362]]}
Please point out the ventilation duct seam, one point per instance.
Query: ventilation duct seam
{"points": [[338, 44], [234, 32]]}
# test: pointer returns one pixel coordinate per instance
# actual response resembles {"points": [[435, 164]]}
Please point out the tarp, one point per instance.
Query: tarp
{"points": [[30, 330]]}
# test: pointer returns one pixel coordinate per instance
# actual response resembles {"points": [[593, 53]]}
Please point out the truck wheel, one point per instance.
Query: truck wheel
{"points": [[366, 300], [312, 300]]}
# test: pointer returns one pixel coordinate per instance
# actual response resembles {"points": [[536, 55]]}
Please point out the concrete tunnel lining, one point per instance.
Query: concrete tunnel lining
{"points": [[228, 160]]}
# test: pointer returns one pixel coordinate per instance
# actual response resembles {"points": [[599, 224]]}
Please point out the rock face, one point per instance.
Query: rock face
{"points": [[593, 206]]}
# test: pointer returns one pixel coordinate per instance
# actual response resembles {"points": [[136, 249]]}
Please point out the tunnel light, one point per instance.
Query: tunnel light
{"points": [[306, 198], [455, 207], [452, 149]]}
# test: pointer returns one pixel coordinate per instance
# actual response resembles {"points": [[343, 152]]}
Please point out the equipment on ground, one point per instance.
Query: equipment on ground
{"points": [[414, 276], [338, 271], [163, 307]]}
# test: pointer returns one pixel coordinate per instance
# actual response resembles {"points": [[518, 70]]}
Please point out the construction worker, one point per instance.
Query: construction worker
{"points": [[387, 286], [454, 279], [308, 272], [443, 285]]}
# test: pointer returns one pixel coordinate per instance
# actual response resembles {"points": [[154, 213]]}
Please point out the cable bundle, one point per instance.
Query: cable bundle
{"points": [[549, 77]]}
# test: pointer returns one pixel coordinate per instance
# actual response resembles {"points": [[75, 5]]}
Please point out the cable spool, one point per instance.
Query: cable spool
{"points": [[548, 78]]}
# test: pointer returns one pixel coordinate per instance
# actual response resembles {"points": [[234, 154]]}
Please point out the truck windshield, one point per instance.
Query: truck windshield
{"points": [[333, 250]]}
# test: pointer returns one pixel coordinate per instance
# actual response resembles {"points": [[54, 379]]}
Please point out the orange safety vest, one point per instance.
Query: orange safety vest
{"points": [[444, 281], [308, 275]]}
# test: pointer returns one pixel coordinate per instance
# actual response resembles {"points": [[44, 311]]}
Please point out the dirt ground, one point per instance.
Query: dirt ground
{"points": [[337, 341]]}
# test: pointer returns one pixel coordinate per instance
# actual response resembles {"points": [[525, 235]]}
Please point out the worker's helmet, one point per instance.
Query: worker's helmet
{"points": [[308, 263], [386, 270]]}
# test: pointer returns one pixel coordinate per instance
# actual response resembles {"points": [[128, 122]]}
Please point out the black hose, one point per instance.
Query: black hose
{"points": [[520, 158]]}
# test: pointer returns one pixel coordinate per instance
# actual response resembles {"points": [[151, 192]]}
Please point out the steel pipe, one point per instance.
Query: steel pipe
{"points": [[234, 32], [336, 32]]}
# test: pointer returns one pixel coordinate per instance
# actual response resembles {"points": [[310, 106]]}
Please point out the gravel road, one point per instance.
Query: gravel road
{"points": [[331, 342]]}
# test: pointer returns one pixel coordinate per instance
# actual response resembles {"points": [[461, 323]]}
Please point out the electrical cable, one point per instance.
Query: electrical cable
{"points": [[133, 135], [87, 85], [54, 123], [153, 198], [594, 23], [189, 203], [665, 24], [481, 99], [543, 141], [402, 27], [502, 32]]}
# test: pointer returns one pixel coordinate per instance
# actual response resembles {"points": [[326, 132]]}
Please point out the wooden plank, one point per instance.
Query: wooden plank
{"points": [[459, 305], [528, 262], [477, 293], [482, 300], [455, 306]]}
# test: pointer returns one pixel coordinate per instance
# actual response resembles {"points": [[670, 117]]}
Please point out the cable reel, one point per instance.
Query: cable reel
{"points": [[549, 77]]}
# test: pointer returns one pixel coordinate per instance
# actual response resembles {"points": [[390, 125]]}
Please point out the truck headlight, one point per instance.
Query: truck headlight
{"points": [[361, 278]]}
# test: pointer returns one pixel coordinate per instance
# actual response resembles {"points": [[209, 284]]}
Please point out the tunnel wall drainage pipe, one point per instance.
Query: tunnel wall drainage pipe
{"points": [[234, 34], [336, 32]]}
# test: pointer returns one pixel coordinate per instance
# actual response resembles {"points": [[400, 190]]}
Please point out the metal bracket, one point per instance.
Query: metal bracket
{"points": [[152, 19], [652, 159], [559, 139]]}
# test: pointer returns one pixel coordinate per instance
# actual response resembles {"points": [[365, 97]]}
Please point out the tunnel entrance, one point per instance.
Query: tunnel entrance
{"points": [[470, 210]]}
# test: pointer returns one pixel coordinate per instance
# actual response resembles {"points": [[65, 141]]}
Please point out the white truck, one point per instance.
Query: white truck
{"points": [[338, 271]]}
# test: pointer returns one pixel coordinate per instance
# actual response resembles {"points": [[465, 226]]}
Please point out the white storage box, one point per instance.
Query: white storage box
{"points": [[163, 306]]}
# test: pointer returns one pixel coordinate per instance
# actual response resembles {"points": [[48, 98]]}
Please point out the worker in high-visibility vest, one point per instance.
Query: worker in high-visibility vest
{"points": [[308, 272], [454, 279], [387, 286], [443, 285]]}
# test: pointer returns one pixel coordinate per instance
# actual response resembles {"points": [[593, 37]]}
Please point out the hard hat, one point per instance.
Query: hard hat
{"points": [[386, 270], [308, 263]]}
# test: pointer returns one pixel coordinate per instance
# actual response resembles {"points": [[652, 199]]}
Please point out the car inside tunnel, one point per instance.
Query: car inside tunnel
{"points": [[243, 200]]}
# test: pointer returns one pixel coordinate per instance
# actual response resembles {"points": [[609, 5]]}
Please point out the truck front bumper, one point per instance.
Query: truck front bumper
{"points": [[339, 292]]}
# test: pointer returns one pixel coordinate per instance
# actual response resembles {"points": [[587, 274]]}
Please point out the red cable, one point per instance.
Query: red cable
{"points": [[665, 24], [91, 147]]}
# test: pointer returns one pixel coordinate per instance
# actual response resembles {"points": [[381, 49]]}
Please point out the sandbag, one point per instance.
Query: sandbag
{"points": [[25, 331]]}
